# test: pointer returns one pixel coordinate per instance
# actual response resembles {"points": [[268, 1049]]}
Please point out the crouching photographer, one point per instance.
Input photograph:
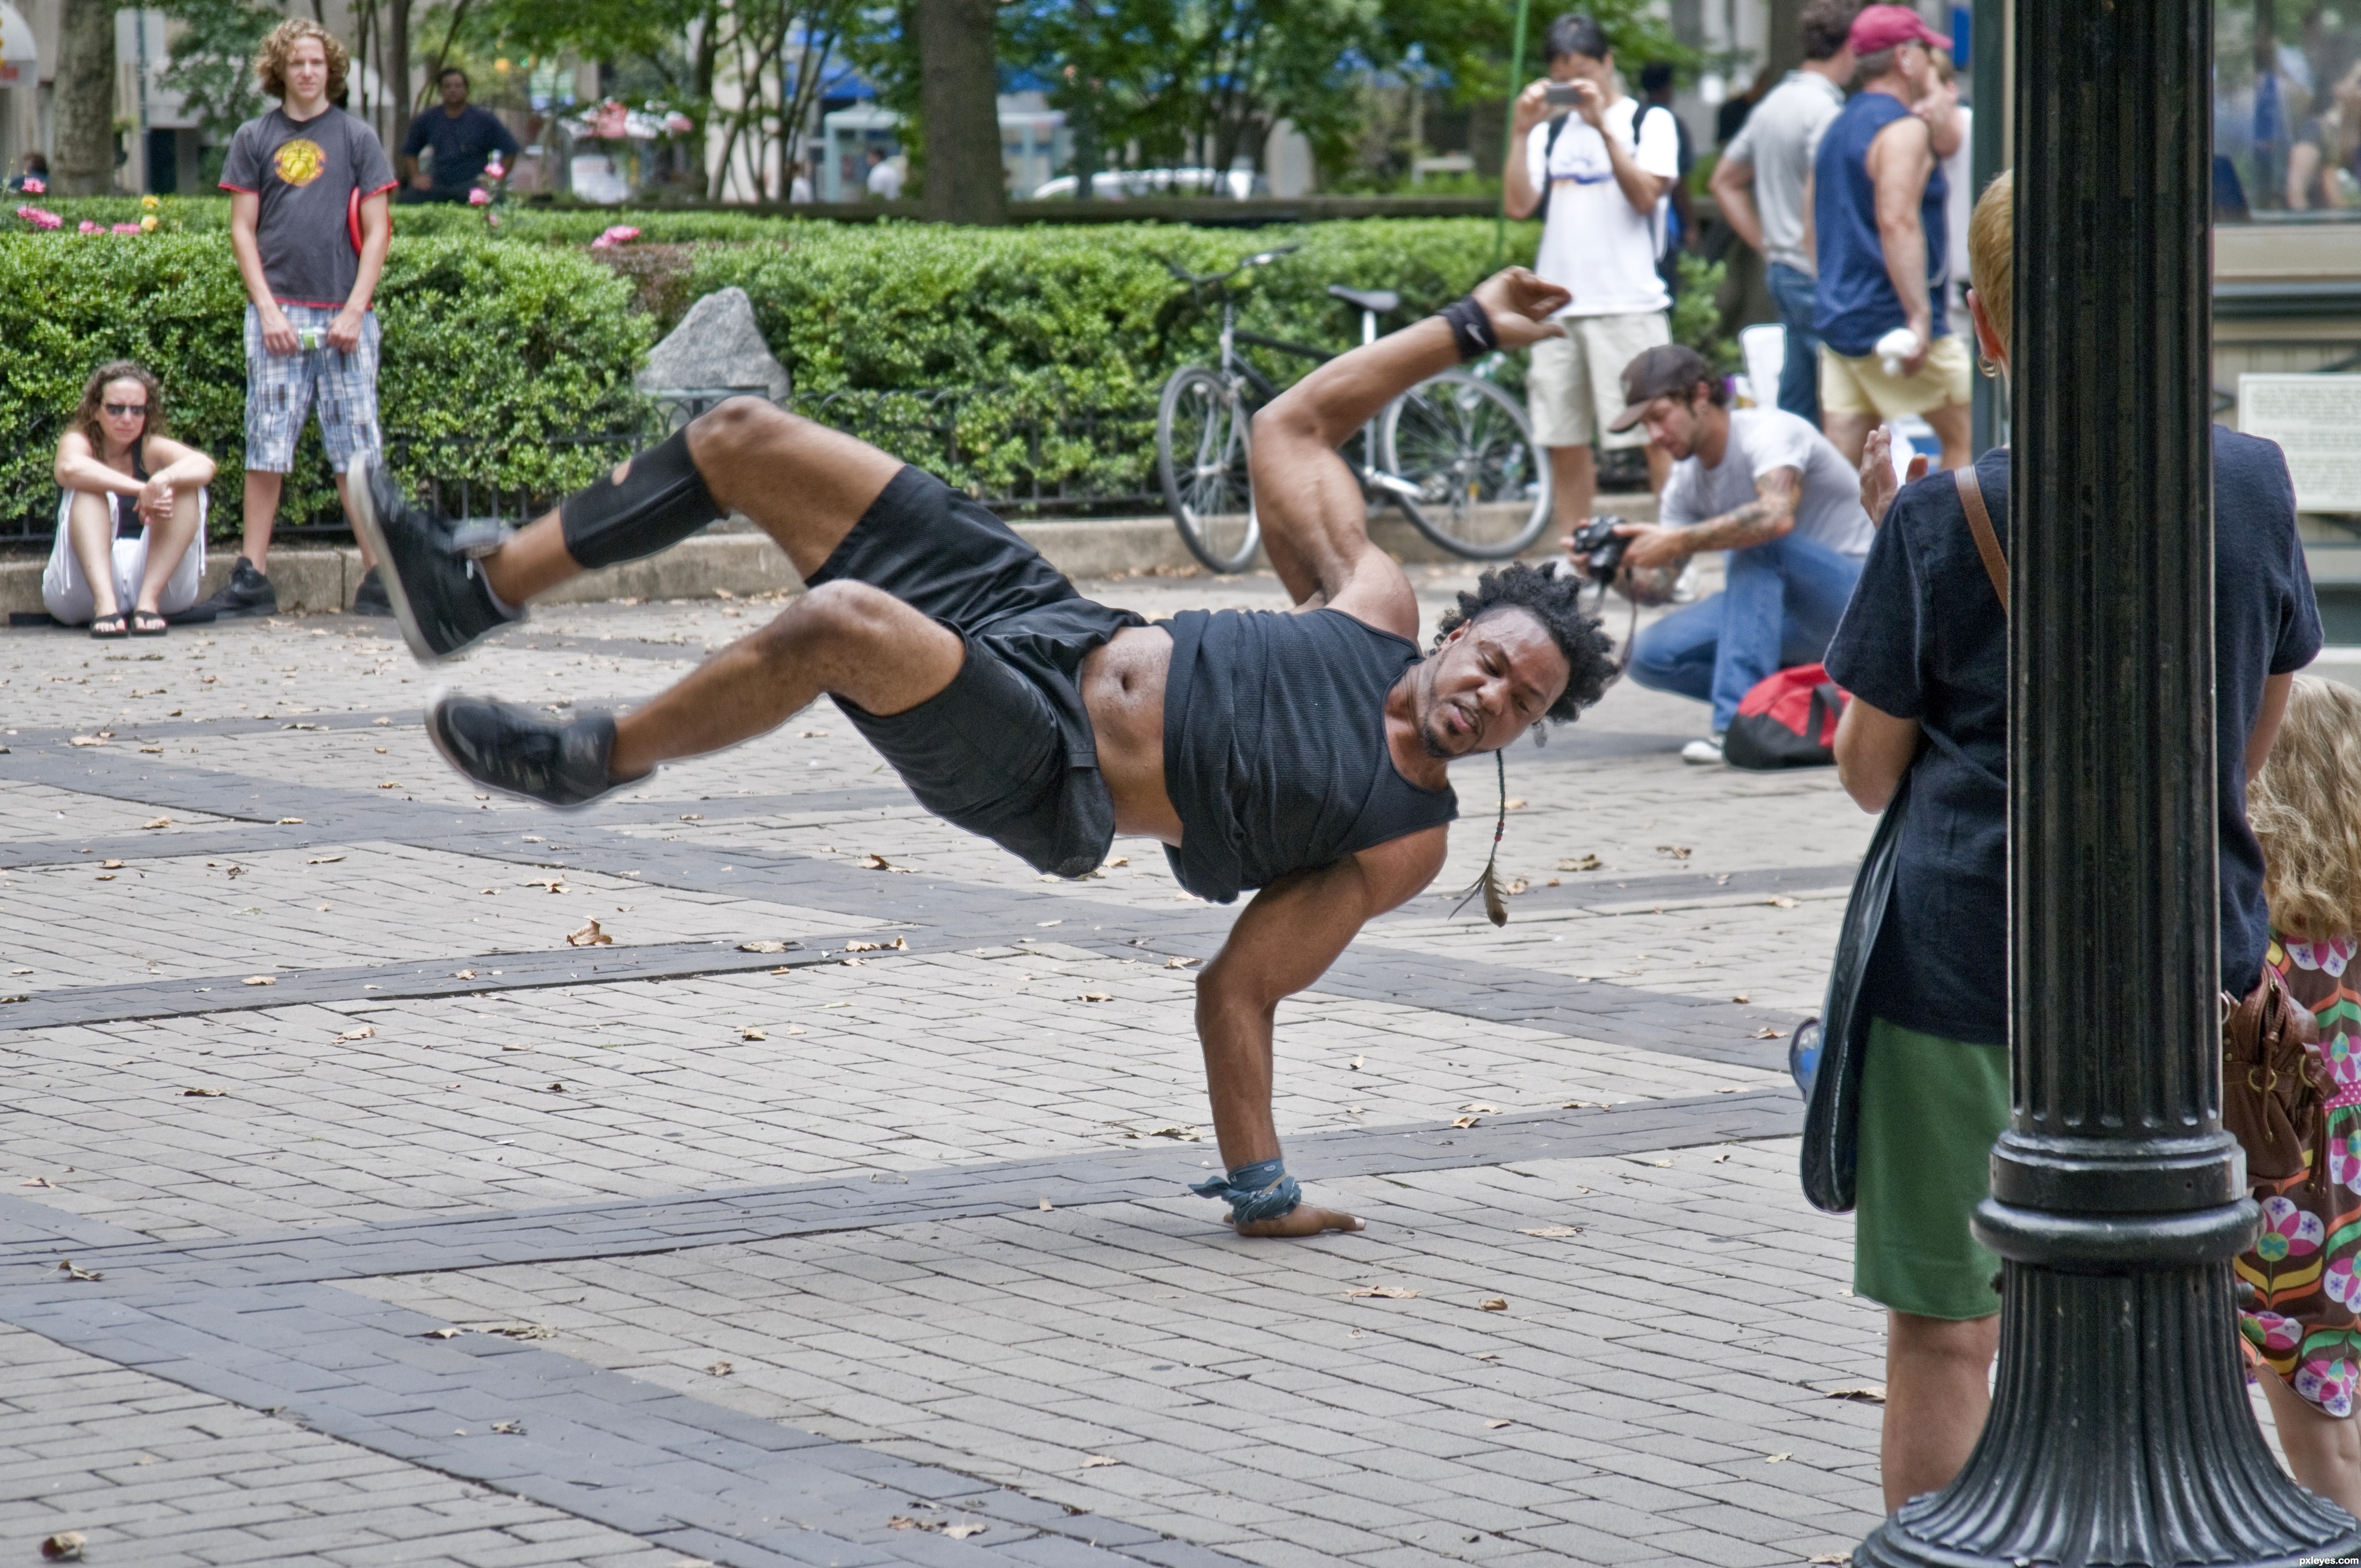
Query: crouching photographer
{"points": [[1760, 484]]}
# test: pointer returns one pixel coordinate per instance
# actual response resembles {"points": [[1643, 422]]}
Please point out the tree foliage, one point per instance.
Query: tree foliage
{"points": [[213, 60]]}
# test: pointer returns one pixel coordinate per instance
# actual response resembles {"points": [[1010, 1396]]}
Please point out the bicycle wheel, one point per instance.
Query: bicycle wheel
{"points": [[1482, 486], [1201, 454]]}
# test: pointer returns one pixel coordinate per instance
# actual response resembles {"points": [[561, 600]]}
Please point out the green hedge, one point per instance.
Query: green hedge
{"points": [[520, 223], [509, 343]]}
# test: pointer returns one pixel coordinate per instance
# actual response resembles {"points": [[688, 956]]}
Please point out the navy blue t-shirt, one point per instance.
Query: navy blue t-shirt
{"points": [[1925, 638], [1856, 305], [462, 146]]}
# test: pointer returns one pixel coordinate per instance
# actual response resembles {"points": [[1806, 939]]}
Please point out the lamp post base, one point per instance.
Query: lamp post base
{"points": [[2120, 1435]]}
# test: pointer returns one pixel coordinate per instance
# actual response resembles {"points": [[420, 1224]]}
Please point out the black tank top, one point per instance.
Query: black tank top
{"points": [[126, 508], [1275, 750]]}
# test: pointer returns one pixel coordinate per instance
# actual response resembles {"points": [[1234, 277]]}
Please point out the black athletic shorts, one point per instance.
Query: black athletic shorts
{"points": [[1006, 750]]}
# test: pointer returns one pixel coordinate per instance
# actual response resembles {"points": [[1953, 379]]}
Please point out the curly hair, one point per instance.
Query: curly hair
{"points": [[94, 393], [1555, 602], [2305, 807], [271, 60]]}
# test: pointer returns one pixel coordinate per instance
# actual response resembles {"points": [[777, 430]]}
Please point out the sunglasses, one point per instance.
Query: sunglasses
{"points": [[125, 411]]}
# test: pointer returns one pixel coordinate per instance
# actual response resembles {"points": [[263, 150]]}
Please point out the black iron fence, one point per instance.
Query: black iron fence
{"points": [[1015, 451]]}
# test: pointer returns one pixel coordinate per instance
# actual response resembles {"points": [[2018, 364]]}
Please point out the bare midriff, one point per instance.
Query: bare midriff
{"points": [[1122, 688]]}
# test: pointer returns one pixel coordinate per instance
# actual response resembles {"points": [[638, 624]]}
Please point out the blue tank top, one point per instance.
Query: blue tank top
{"points": [[1857, 302], [1275, 752]]}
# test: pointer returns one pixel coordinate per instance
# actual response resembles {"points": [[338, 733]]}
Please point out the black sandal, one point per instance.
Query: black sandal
{"points": [[149, 623], [116, 625]]}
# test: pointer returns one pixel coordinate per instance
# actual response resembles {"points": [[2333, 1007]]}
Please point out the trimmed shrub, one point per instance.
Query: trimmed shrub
{"points": [[488, 352]]}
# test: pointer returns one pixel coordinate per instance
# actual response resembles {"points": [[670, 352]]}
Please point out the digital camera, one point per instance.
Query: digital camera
{"points": [[1600, 547]]}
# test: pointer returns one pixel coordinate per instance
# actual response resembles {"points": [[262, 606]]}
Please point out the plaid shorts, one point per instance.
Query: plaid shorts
{"points": [[280, 389]]}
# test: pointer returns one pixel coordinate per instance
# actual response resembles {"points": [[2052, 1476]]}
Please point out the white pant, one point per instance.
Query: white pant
{"points": [[66, 593]]}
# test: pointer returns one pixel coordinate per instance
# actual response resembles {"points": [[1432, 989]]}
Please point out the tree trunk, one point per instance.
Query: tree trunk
{"points": [[397, 66], [1786, 44], [85, 99], [958, 84]]}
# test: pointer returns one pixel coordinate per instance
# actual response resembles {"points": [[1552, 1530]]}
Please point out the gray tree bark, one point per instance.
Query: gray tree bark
{"points": [[959, 84], [84, 163], [397, 67]]}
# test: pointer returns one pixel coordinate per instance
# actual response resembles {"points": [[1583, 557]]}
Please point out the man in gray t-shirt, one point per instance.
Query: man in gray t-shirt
{"points": [[1764, 177], [1767, 488]]}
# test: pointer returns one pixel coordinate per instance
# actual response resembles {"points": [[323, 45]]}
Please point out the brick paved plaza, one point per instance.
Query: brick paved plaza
{"points": [[401, 1231]]}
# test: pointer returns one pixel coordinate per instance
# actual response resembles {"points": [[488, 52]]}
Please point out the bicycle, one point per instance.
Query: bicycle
{"points": [[1454, 454]]}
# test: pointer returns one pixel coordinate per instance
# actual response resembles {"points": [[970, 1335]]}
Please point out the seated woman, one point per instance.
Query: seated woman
{"points": [[116, 467]]}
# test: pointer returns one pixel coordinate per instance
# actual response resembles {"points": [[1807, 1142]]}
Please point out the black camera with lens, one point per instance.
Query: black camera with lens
{"points": [[1600, 548]]}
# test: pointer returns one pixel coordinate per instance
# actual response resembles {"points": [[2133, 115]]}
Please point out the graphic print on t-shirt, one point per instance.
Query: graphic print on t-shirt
{"points": [[300, 161]]}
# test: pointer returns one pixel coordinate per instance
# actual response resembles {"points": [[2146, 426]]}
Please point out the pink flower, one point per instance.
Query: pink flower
{"points": [[127, 228], [35, 186], [479, 197], [619, 235], [2327, 1384], [2270, 1331], [2288, 1231], [2343, 1285], [89, 227], [39, 219]]}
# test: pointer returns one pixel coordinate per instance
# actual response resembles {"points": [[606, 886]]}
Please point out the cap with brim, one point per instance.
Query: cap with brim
{"points": [[1667, 370], [1879, 28]]}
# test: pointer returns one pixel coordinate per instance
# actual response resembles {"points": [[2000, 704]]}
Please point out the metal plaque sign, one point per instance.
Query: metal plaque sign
{"points": [[2316, 420]]}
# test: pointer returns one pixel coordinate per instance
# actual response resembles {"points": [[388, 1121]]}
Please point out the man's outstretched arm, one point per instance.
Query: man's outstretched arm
{"points": [[1315, 522], [1286, 939]]}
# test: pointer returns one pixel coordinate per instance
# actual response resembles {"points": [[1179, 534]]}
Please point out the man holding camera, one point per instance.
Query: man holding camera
{"points": [[1760, 484], [1595, 166]]}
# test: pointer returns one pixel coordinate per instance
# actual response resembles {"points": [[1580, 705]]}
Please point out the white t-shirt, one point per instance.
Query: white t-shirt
{"points": [[885, 181], [1828, 513], [1594, 242]]}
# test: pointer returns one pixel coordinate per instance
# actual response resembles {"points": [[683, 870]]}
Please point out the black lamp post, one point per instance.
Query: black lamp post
{"points": [[2120, 1432]]}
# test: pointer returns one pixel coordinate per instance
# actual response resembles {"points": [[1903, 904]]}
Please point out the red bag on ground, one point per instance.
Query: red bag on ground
{"points": [[1788, 721]]}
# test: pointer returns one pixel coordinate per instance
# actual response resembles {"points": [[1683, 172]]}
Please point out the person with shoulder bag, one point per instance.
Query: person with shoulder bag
{"points": [[1923, 648]]}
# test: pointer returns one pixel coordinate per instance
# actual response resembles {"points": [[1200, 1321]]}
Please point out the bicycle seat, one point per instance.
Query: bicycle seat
{"points": [[1381, 300]]}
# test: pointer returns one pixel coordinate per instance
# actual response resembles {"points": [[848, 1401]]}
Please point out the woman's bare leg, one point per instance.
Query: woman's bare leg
{"points": [[804, 484], [89, 533], [2323, 1451], [1937, 1393], [846, 639], [166, 542]]}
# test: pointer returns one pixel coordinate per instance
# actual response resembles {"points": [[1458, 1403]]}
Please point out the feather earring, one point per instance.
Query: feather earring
{"points": [[1495, 906]]}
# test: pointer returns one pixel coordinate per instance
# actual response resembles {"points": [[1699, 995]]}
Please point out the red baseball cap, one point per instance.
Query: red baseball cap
{"points": [[1884, 26]]}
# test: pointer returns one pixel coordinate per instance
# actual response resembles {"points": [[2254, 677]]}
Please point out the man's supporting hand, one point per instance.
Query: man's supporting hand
{"points": [[1303, 1220], [1521, 306], [277, 332], [1649, 546], [345, 331]]}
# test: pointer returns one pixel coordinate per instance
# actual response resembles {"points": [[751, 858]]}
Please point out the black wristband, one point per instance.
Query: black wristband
{"points": [[1471, 329]]}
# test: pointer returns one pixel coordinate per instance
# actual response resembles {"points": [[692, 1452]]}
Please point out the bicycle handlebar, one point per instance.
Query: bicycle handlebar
{"points": [[1198, 280]]}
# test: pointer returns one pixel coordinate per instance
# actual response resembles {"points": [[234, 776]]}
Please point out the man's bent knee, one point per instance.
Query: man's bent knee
{"points": [[736, 423]]}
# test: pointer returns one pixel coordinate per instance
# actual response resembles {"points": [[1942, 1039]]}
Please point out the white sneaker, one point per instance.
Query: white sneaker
{"points": [[1684, 587], [1703, 752]]}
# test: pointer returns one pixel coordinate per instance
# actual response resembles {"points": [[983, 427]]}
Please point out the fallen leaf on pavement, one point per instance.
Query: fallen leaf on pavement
{"points": [[1045, 1205], [1358, 1061], [291, 822], [878, 863], [692, 817], [902, 1521], [1382, 1292], [366, 1032], [203, 1093], [1551, 1233], [1584, 1105], [830, 1006], [314, 860], [1493, 1304], [1181, 1132], [1741, 996], [1782, 902], [1497, 1425], [1178, 962], [1515, 802], [525, 1331], [1659, 1163], [1678, 852], [516, 1048], [259, 980], [1768, 1033], [589, 937], [85, 740], [1465, 1121], [1863, 1394], [750, 1033], [557, 1088], [442, 1333], [718, 1369], [1120, 861], [1516, 886], [1830, 1560], [961, 1532], [554, 883], [1094, 996], [1581, 863], [509, 1429], [37, 1181], [1480, 1355], [765, 945], [64, 1547], [897, 943], [1481, 1110], [159, 822], [1775, 1458], [73, 1271], [1093, 1461], [463, 974]]}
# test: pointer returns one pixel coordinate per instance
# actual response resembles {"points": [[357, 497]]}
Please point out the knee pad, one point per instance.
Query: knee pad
{"points": [[662, 500]]}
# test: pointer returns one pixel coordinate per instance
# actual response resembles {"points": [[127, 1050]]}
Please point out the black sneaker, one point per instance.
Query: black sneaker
{"points": [[436, 592], [370, 598], [248, 592], [508, 747]]}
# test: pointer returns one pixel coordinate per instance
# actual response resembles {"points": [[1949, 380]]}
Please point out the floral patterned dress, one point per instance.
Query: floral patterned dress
{"points": [[2304, 1319]]}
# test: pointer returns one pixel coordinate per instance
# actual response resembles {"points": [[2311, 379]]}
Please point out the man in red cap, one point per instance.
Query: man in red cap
{"points": [[1877, 214]]}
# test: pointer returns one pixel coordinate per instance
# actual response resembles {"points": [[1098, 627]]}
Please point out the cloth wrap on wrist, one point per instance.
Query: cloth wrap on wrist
{"points": [[1471, 328], [661, 501], [1262, 1190]]}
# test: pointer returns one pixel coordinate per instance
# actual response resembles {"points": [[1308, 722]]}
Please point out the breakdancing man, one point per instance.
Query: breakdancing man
{"points": [[1301, 754]]}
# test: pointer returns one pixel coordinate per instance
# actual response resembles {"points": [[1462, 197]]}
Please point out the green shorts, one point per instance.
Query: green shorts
{"points": [[1929, 1110]]}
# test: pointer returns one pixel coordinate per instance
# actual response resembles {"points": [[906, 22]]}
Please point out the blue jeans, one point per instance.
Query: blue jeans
{"points": [[1781, 607], [1795, 294]]}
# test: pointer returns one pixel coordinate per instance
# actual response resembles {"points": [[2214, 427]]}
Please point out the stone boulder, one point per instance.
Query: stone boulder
{"points": [[716, 346]]}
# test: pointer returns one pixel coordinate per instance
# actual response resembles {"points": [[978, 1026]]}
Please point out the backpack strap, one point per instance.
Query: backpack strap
{"points": [[1971, 496], [1549, 144]]}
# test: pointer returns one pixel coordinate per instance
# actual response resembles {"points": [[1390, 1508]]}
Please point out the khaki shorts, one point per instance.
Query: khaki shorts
{"points": [[1862, 386], [1575, 384]]}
